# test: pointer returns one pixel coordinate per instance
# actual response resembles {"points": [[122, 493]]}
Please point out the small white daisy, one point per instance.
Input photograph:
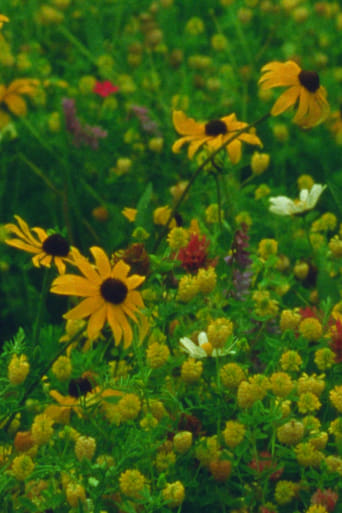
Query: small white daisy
{"points": [[284, 206], [204, 349]]}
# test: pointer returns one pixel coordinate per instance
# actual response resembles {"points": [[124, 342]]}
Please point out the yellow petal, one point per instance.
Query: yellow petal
{"points": [[185, 125], [115, 326], [87, 307], [132, 282], [16, 104], [135, 298], [286, 100], [195, 145], [120, 270], [102, 261], [42, 235], [183, 140], [73, 285], [86, 268], [234, 151], [96, 322], [19, 244], [126, 328], [25, 229], [59, 263]]}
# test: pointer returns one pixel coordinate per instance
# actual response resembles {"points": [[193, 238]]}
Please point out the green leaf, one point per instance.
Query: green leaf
{"points": [[327, 286]]}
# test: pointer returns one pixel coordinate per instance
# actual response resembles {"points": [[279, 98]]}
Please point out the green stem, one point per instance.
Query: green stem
{"points": [[82, 49], [42, 298], [219, 201], [197, 172]]}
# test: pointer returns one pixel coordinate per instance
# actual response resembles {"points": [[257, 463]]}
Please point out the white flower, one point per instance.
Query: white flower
{"points": [[204, 349], [284, 206]]}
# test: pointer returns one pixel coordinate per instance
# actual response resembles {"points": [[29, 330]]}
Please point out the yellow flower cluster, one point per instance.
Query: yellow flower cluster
{"points": [[219, 331], [131, 483], [18, 369], [233, 433], [157, 355]]}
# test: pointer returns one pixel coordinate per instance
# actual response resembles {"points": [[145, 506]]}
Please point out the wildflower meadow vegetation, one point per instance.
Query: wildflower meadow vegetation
{"points": [[171, 256]]}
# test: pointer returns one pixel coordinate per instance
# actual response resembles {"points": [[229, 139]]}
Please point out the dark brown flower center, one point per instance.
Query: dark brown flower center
{"points": [[113, 290], [309, 80], [56, 245], [79, 387], [215, 127]]}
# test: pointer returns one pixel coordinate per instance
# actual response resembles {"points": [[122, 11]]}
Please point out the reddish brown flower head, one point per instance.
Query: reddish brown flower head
{"points": [[265, 462], [195, 254], [327, 498], [136, 257], [336, 341]]}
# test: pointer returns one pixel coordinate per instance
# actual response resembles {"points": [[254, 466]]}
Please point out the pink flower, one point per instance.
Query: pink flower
{"points": [[105, 88]]}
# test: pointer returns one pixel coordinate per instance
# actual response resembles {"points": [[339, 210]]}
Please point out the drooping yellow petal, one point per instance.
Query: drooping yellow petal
{"points": [[234, 151], [303, 104], [128, 310], [135, 298], [25, 229], [42, 235], [85, 308], [96, 322], [195, 145], [16, 104], [126, 328], [115, 326], [286, 100], [19, 244], [176, 147], [279, 74], [73, 285], [185, 125], [102, 261], [59, 263]]}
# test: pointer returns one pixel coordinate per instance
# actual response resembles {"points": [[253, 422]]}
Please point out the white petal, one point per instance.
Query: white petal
{"points": [[202, 338]]}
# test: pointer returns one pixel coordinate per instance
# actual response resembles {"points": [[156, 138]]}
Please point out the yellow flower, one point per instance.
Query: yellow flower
{"points": [[129, 213], [47, 248], [109, 294], [213, 134], [303, 89], [3, 19], [11, 98], [79, 404]]}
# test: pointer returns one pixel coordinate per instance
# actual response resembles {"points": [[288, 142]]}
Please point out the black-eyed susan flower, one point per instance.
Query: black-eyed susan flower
{"points": [[303, 92], [109, 294], [11, 98], [47, 249], [212, 134]]}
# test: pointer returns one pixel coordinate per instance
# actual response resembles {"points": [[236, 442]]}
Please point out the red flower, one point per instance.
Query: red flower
{"points": [[105, 88], [194, 255], [326, 498], [309, 312], [265, 462]]}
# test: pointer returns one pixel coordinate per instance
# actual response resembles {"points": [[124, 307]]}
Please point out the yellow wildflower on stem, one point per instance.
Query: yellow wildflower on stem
{"points": [[213, 134], [11, 98], [303, 92], [109, 294], [46, 248]]}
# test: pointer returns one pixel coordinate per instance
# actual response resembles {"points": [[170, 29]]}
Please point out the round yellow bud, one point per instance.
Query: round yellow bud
{"points": [[259, 162]]}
